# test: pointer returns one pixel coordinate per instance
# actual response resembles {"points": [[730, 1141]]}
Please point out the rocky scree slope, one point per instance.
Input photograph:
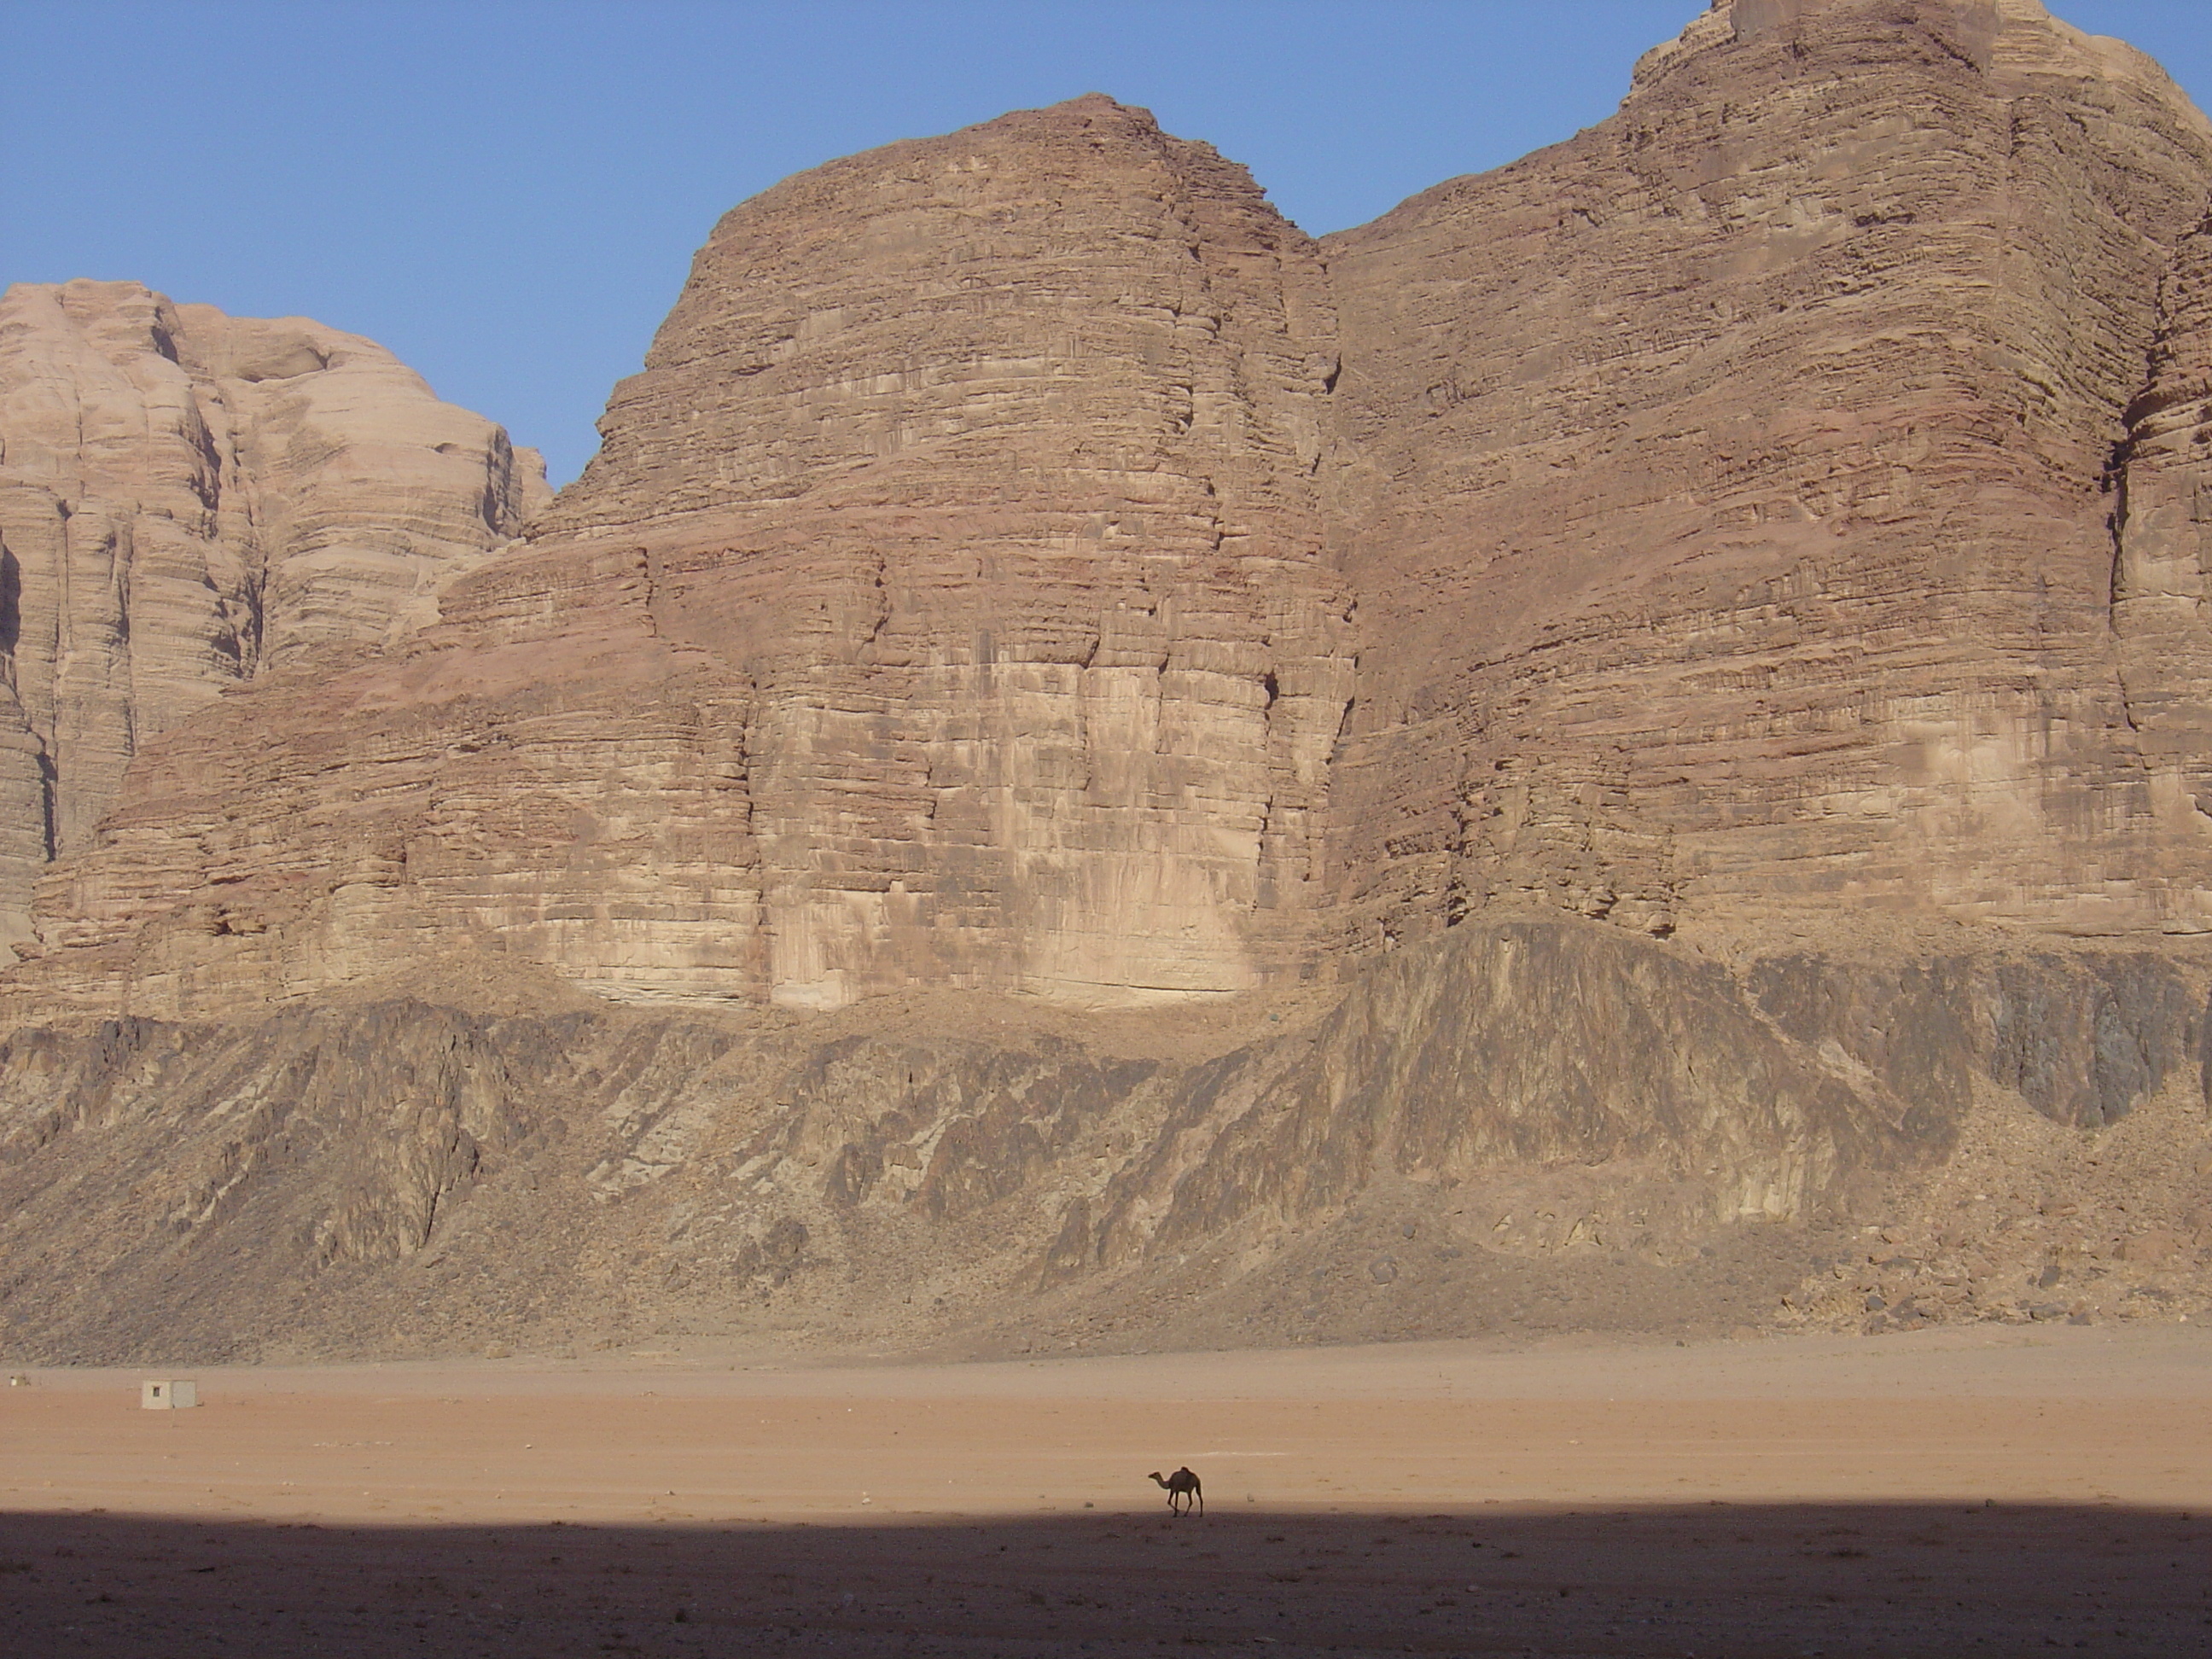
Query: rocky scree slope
{"points": [[1629, 721], [1518, 1129]]}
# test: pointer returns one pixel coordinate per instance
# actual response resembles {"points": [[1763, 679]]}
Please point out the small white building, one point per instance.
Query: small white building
{"points": [[168, 1394]]}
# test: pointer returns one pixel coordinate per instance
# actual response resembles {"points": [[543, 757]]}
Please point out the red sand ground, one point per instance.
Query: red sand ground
{"points": [[1945, 1492]]}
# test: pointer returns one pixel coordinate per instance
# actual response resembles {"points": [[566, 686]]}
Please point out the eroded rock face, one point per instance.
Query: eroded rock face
{"points": [[1022, 566], [1510, 1128], [834, 1173], [1735, 490], [187, 499], [946, 607], [1028, 572]]}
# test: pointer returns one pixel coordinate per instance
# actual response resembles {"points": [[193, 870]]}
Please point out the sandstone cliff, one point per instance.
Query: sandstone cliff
{"points": [[1638, 726], [1027, 563], [946, 607], [1775, 501], [187, 500]]}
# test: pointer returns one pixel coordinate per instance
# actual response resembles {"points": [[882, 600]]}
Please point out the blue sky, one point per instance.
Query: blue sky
{"points": [[507, 195]]}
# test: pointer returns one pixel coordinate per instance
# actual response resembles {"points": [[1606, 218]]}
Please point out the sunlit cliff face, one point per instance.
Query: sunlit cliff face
{"points": [[1026, 564]]}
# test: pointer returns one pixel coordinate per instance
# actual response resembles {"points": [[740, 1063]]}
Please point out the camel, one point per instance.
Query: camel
{"points": [[1184, 1484]]}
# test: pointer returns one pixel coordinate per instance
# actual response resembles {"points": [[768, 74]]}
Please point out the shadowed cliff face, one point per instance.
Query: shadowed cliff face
{"points": [[2081, 1040], [1521, 1115]]}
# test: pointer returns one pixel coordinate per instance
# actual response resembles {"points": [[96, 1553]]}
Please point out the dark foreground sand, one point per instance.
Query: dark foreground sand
{"points": [[1943, 1493]]}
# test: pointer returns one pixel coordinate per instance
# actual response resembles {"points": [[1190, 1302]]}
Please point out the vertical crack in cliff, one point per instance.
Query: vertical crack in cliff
{"points": [[652, 591], [2114, 484], [879, 594], [2154, 393], [49, 782]]}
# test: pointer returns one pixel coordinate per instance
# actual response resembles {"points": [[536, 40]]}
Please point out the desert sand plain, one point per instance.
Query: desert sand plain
{"points": [[1943, 1491]]}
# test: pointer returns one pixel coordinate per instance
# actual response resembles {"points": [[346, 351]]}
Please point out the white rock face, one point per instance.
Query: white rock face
{"points": [[188, 499]]}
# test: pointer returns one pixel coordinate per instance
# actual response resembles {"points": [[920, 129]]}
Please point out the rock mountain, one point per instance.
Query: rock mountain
{"points": [[1082, 768], [188, 499]]}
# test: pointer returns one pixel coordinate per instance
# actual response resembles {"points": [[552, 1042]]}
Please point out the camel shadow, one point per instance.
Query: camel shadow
{"points": [[1748, 1579]]}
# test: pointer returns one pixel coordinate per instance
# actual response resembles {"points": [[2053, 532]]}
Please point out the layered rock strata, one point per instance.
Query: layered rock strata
{"points": [[1027, 563], [187, 500], [947, 606], [1733, 490]]}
